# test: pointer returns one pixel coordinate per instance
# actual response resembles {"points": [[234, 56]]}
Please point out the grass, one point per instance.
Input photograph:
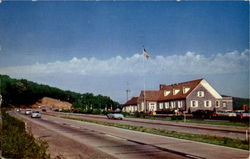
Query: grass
{"points": [[222, 123], [17, 143], [223, 141], [210, 122]]}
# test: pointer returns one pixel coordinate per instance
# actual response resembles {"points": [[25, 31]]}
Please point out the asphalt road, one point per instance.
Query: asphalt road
{"points": [[235, 133], [110, 145], [110, 142]]}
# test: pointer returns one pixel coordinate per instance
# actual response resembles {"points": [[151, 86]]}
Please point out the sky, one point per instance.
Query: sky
{"points": [[97, 46]]}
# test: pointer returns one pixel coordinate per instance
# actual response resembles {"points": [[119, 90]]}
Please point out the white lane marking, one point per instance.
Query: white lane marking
{"points": [[116, 137], [75, 126], [195, 157]]}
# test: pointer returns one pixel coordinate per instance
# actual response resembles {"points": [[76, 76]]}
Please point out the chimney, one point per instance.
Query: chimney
{"points": [[162, 86]]}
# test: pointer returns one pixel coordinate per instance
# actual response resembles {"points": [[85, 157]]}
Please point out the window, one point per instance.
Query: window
{"points": [[194, 103], [207, 103], [161, 105], [224, 104], [167, 105], [217, 103], [185, 90], [175, 91], [173, 104], [200, 93], [166, 93], [179, 104]]}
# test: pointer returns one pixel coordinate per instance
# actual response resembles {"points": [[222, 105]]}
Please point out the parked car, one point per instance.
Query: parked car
{"points": [[247, 115], [36, 114], [28, 111], [115, 116]]}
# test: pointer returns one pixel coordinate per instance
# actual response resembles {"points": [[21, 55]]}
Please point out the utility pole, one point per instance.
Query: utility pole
{"points": [[128, 91]]}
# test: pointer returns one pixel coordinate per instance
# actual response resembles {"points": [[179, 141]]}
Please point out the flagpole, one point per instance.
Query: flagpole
{"points": [[144, 81]]}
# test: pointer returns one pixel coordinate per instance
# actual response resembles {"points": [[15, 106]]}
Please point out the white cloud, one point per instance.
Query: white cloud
{"points": [[109, 77], [188, 64]]}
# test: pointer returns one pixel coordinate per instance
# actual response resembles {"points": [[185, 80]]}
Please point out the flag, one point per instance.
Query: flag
{"points": [[145, 53]]}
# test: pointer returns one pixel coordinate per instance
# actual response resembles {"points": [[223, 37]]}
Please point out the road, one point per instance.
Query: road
{"points": [[213, 130], [97, 141]]}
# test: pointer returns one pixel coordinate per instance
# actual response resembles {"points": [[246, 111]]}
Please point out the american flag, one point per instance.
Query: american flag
{"points": [[145, 53]]}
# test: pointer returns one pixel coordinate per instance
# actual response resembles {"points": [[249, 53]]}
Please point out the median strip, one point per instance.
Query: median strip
{"points": [[223, 141]]}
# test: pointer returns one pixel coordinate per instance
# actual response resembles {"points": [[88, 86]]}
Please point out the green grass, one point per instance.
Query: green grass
{"points": [[17, 143], [224, 141], [221, 123], [210, 122]]}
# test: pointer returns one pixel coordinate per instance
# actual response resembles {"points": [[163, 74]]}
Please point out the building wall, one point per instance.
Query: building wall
{"points": [[200, 105], [171, 105], [207, 101], [140, 103], [152, 106], [130, 108], [226, 103]]}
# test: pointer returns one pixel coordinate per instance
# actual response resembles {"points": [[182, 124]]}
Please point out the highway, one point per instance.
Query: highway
{"points": [[97, 141], [204, 129]]}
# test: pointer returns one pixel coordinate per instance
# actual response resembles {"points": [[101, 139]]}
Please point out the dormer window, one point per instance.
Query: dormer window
{"points": [[200, 94], [185, 90], [166, 93], [175, 91]]}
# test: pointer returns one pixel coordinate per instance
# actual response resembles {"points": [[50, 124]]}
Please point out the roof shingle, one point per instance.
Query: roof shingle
{"points": [[158, 95], [132, 101]]}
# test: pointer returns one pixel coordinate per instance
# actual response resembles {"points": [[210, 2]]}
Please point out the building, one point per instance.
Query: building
{"points": [[183, 97], [131, 105], [148, 101]]}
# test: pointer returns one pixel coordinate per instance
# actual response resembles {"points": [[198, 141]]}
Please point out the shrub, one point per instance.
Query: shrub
{"points": [[97, 111], [177, 117], [165, 111], [125, 114], [17, 143], [204, 114]]}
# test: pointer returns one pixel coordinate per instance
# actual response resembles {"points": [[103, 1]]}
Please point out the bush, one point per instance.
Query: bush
{"points": [[96, 111], [66, 110], [125, 114], [141, 114], [17, 143], [177, 117], [204, 114], [165, 111]]}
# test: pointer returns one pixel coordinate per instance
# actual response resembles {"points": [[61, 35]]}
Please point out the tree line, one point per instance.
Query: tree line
{"points": [[19, 92]]}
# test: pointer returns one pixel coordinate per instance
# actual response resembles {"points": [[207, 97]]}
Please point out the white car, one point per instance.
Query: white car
{"points": [[36, 114], [115, 116], [28, 111], [245, 114]]}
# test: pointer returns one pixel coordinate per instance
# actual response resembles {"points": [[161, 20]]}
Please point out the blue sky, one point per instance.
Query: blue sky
{"points": [[99, 43]]}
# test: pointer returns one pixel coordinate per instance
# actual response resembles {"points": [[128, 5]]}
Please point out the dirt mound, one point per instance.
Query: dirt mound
{"points": [[47, 102]]}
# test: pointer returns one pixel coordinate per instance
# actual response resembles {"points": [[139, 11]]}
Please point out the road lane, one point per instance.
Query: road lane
{"points": [[125, 143], [221, 131], [114, 146]]}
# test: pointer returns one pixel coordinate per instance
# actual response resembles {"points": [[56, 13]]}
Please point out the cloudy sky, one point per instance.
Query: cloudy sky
{"points": [[97, 46]]}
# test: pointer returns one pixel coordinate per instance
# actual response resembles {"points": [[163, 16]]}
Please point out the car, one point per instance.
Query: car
{"points": [[44, 110], [36, 114], [115, 116], [245, 114], [28, 111]]}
